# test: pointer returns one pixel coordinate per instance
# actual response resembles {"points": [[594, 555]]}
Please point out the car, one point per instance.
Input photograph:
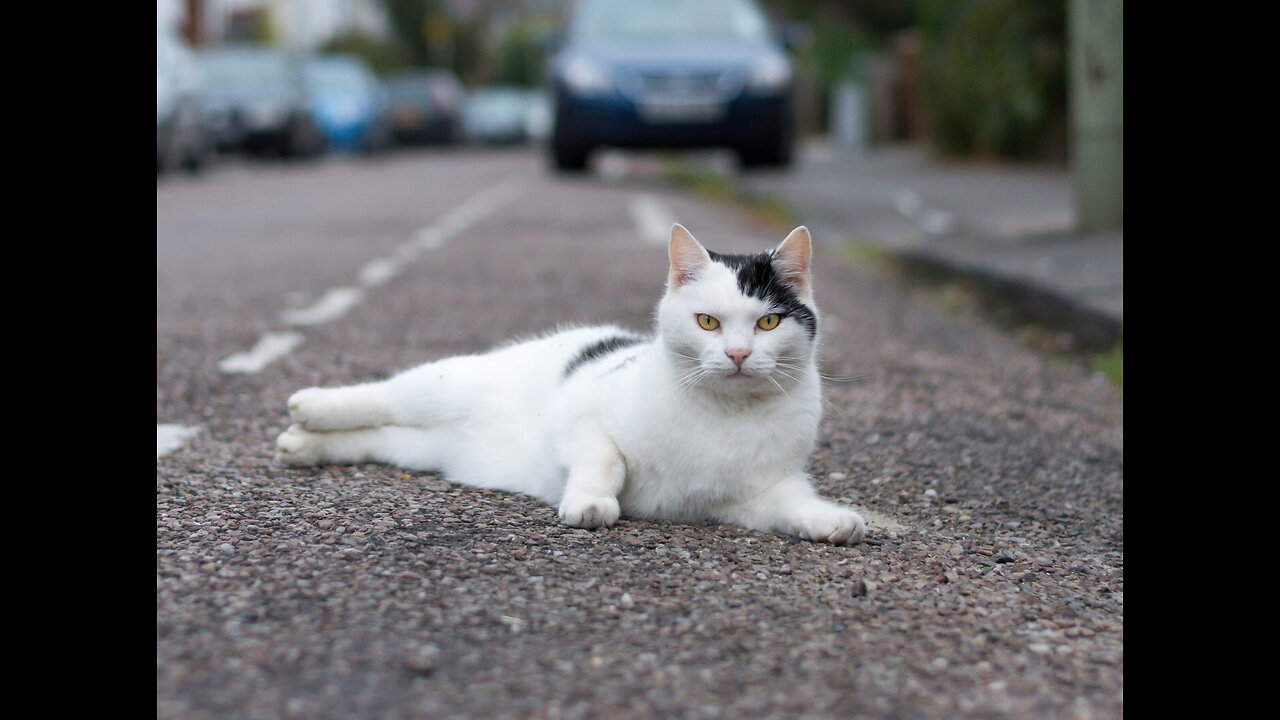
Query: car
{"points": [[182, 138], [256, 102], [500, 114], [349, 102], [671, 74], [425, 107]]}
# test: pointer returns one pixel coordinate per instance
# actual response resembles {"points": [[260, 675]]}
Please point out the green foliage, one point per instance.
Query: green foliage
{"points": [[383, 56], [408, 21], [1111, 364], [995, 76], [521, 56]]}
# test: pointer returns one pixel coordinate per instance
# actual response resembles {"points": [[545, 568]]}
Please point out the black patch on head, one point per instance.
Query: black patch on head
{"points": [[758, 278], [599, 349]]}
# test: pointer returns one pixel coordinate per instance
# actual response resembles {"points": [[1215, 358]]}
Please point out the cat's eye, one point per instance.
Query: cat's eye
{"points": [[707, 322], [768, 322]]}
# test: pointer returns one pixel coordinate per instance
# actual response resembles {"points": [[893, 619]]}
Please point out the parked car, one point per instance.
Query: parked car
{"points": [[349, 102], [182, 138], [426, 107], [678, 73], [499, 114], [256, 102]]}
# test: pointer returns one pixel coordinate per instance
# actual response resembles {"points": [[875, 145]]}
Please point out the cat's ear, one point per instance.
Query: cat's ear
{"points": [[791, 259], [688, 257]]}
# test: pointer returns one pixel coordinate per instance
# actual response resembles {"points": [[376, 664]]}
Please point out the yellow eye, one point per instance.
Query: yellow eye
{"points": [[707, 322], [768, 322]]}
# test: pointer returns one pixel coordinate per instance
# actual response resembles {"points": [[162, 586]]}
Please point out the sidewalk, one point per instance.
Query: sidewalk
{"points": [[1010, 228]]}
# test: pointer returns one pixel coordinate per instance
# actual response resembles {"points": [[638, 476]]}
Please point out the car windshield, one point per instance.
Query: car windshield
{"points": [[249, 71], [412, 88], [607, 22], [334, 77]]}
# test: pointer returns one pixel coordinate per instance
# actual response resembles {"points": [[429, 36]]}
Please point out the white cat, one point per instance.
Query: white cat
{"points": [[713, 418]]}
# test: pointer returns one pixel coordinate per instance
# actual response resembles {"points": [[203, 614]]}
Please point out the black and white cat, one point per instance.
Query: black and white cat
{"points": [[712, 418]]}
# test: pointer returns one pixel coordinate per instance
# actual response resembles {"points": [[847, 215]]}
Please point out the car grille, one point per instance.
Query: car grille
{"points": [[667, 85]]}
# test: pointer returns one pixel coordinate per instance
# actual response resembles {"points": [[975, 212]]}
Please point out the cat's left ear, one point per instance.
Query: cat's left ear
{"points": [[791, 260]]}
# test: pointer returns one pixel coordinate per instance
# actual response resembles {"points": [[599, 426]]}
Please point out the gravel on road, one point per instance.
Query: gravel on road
{"points": [[990, 584]]}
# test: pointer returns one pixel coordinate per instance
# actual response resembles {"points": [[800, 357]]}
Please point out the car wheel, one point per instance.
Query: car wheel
{"points": [[200, 154], [569, 156], [773, 153]]}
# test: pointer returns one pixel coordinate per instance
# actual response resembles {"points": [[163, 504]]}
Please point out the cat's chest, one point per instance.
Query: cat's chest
{"points": [[691, 444]]}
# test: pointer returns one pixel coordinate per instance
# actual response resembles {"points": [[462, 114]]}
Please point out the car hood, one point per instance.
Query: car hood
{"points": [[238, 98], [675, 56]]}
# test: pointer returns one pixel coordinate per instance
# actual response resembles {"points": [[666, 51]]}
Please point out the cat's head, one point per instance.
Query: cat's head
{"points": [[740, 321]]}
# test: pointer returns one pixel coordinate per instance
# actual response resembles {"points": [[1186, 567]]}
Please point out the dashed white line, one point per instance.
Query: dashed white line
{"points": [[337, 301], [653, 220], [908, 203], [378, 271], [332, 305], [170, 437], [271, 346], [937, 222]]}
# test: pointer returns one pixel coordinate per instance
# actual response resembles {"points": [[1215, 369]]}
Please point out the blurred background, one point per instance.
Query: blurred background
{"points": [[966, 79]]}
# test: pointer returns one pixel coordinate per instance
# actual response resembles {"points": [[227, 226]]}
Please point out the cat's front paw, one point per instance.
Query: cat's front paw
{"points": [[836, 525], [589, 511], [296, 446]]}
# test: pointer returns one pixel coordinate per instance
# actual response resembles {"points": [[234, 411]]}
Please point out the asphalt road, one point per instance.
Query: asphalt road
{"points": [[990, 585]]}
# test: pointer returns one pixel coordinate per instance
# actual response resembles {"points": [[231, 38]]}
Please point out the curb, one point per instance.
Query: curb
{"points": [[1093, 330]]}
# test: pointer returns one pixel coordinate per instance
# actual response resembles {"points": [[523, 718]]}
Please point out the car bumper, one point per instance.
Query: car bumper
{"points": [[618, 121]]}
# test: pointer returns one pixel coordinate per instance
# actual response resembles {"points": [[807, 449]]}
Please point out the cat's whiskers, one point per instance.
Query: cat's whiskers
{"points": [[778, 385], [688, 379], [785, 361]]}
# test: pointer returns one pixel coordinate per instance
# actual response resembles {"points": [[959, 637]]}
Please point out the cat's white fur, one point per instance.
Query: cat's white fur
{"points": [[667, 428]]}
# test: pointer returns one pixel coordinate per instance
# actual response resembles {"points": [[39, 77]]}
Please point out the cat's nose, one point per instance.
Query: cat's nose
{"points": [[738, 355]]}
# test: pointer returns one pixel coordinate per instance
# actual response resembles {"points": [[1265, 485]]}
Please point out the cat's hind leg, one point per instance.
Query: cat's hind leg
{"points": [[342, 408], [406, 447], [443, 391]]}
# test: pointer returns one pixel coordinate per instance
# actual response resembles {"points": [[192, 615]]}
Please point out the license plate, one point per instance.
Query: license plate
{"points": [[407, 118], [681, 112]]}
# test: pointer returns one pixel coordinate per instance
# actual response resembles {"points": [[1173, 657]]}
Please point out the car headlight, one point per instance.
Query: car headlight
{"points": [[771, 74], [264, 114], [584, 76]]}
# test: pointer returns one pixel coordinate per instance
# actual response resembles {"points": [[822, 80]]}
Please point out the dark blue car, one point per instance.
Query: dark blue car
{"points": [[671, 74]]}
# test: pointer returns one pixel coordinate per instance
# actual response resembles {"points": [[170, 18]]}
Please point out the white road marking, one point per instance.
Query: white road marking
{"points": [[449, 225], [336, 302], [378, 271], [170, 437], [653, 220], [271, 346], [937, 222], [908, 202], [332, 305]]}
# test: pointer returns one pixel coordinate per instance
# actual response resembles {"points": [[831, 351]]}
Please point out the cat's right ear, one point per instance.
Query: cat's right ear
{"points": [[688, 257]]}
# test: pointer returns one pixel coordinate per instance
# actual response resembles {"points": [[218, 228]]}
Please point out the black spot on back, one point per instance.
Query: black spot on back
{"points": [[758, 278], [599, 349]]}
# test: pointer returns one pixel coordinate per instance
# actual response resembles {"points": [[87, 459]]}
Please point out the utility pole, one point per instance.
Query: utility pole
{"points": [[1096, 29]]}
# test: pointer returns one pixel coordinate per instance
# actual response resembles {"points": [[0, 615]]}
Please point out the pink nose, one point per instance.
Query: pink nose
{"points": [[738, 355]]}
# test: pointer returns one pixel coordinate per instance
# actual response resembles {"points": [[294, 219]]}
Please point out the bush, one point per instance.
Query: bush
{"points": [[383, 57], [995, 76]]}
